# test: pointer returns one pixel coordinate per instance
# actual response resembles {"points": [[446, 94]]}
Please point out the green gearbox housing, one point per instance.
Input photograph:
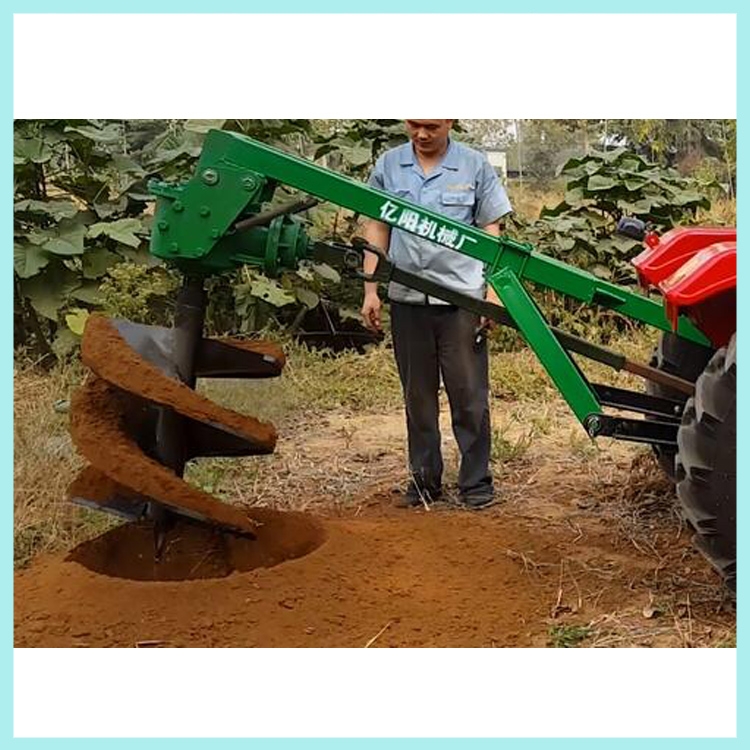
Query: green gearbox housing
{"points": [[198, 225]]}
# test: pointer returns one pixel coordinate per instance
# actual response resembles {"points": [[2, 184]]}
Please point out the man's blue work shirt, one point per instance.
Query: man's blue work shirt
{"points": [[465, 187]]}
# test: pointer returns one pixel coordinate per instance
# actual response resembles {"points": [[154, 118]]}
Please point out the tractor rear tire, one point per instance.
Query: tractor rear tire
{"points": [[687, 360], [706, 465]]}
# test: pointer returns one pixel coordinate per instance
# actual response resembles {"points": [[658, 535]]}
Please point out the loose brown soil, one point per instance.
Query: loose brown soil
{"points": [[438, 578], [443, 577]]}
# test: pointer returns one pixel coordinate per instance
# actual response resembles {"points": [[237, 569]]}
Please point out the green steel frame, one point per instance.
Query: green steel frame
{"points": [[236, 175]]}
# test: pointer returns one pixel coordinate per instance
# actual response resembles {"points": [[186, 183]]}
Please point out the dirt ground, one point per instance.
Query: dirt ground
{"points": [[585, 548]]}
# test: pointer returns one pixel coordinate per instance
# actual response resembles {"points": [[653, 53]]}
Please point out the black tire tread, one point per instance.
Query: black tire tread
{"points": [[676, 356], [706, 464]]}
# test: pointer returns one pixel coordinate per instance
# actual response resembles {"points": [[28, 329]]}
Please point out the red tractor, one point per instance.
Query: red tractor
{"points": [[695, 270]]}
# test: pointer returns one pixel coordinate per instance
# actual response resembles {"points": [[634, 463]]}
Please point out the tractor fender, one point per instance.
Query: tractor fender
{"points": [[704, 288], [664, 255]]}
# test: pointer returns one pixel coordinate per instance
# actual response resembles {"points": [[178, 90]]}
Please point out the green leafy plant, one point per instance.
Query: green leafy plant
{"points": [[601, 188], [568, 636], [79, 210], [82, 208]]}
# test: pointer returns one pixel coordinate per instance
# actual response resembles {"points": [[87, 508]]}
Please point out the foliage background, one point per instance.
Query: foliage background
{"points": [[82, 213]]}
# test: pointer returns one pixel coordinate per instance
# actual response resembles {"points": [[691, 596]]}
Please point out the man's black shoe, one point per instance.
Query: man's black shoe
{"points": [[415, 497], [478, 500]]}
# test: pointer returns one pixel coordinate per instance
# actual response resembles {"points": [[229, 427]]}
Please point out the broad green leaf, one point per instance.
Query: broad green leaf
{"points": [[574, 196], [28, 259], [269, 291], [137, 195], [34, 150], [592, 167], [140, 256], [307, 297], [565, 242], [96, 262], [49, 290], [600, 182], [612, 156], [122, 230], [634, 183], [126, 165], [69, 239], [356, 154], [562, 225], [56, 209], [328, 273], [106, 209], [109, 135], [685, 198], [76, 320], [628, 207], [601, 271], [88, 292], [203, 126], [653, 176], [39, 236], [642, 206], [571, 168], [594, 219], [624, 244], [64, 239], [632, 163]]}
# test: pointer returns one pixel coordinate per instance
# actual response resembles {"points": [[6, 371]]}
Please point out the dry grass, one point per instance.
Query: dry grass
{"points": [[529, 199], [315, 383], [723, 212], [44, 463]]}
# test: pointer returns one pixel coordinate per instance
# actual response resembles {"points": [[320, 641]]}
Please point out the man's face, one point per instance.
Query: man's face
{"points": [[429, 137]]}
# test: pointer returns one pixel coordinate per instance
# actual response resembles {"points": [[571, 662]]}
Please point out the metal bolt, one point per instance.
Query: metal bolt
{"points": [[178, 207], [215, 234], [163, 225], [174, 248], [205, 211], [351, 260], [593, 425], [210, 176], [248, 183]]}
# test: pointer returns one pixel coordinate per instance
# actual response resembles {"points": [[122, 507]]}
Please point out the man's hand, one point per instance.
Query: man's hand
{"points": [[371, 311]]}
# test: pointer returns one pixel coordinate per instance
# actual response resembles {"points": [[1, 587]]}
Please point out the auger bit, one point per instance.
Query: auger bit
{"points": [[138, 419]]}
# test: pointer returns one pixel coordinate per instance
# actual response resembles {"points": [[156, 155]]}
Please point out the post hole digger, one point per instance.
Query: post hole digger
{"points": [[138, 419]]}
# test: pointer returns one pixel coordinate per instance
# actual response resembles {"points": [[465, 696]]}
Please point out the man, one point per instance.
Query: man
{"points": [[430, 338]]}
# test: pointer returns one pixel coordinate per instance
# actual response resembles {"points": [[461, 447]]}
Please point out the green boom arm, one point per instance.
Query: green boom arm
{"points": [[235, 174]]}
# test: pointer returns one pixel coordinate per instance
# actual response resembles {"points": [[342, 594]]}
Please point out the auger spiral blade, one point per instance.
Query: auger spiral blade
{"points": [[137, 419]]}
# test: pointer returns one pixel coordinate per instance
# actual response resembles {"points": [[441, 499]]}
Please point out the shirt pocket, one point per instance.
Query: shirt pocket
{"points": [[404, 193], [458, 204]]}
